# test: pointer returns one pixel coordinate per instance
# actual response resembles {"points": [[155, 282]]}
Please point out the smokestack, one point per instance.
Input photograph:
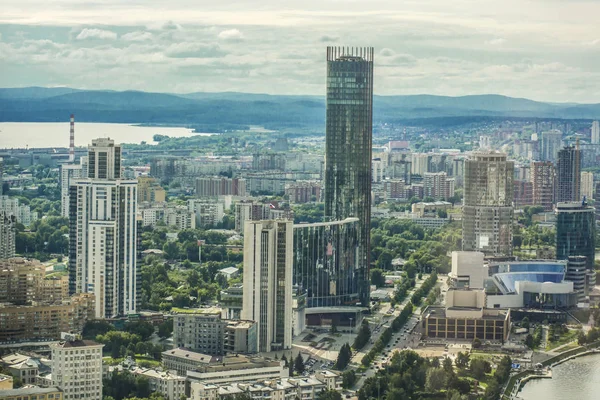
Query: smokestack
{"points": [[72, 140]]}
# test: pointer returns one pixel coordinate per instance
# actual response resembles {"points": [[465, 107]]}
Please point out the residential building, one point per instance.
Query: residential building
{"points": [[268, 161], [171, 386], [348, 142], [103, 233], [21, 281], [208, 213], [77, 368], [240, 337], [201, 332], [430, 209], [303, 192], [487, 205], [568, 175], [523, 193], [325, 263], [7, 235], [587, 185], [45, 321], [6, 383], [25, 367], [438, 186], [595, 136], [32, 393], [68, 173], [219, 186], [466, 317], [150, 190], [543, 178], [23, 213], [180, 217], [268, 260], [419, 164], [551, 142]]}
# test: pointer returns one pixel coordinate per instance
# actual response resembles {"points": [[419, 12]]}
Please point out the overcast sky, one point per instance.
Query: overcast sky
{"points": [[540, 49]]}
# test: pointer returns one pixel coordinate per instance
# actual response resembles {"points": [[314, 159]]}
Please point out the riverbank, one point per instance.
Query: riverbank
{"points": [[517, 381]]}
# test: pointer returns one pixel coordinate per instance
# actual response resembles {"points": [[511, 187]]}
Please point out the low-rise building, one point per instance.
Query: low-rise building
{"points": [[238, 368], [32, 393], [182, 360], [170, 385], [25, 367], [466, 317], [6, 382]]}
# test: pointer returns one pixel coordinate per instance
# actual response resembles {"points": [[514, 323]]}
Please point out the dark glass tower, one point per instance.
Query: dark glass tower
{"points": [[349, 131], [575, 231]]}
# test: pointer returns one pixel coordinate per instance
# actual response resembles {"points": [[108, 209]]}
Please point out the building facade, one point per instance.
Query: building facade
{"points": [[587, 185], [438, 186], [68, 173], [348, 137], [543, 179], [77, 369], [575, 231], [203, 332], [268, 260], [103, 233], [568, 175], [595, 134], [551, 142], [218, 186], [487, 211]]}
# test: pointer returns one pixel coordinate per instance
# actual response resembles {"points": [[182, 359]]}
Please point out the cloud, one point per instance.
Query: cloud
{"points": [[137, 36], [171, 26], [232, 35], [194, 50], [326, 39], [496, 41], [385, 52], [93, 33]]}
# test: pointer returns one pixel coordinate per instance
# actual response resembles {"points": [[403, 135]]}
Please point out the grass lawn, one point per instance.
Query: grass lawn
{"points": [[565, 338]]}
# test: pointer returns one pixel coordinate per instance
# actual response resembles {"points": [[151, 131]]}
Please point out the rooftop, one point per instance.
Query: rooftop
{"points": [[29, 391], [188, 354], [77, 343]]}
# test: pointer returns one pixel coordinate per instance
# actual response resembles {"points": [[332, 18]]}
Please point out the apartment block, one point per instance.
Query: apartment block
{"points": [[218, 186], [438, 186], [149, 190], [202, 332], [543, 177], [171, 386], [8, 225], [208, 212], [77, 369], [303, 192]]}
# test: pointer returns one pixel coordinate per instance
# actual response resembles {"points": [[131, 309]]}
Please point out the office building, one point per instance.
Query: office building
{"points": [[467, 270], [8, 230], [237, 368], [568, 175], [551, 142], [219, 186], [587, 185], [268, 259], [348, 137], [150, 190], [466, 317], [487, 206], [575, 231], [595, 132], [325, 263], [103, 233], [32, 393], [577, 273], [543, 178], [77, 369]]}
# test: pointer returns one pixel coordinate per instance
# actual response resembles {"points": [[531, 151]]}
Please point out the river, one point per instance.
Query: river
{"points": [[578, 378], [56, 134]]}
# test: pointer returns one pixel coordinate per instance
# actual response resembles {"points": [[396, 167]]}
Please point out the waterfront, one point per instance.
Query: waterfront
{"points": [[56, 134], [577, 378]]}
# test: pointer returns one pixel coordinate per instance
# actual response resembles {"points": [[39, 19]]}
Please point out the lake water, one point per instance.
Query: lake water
{"points": [[575, 379], [56, 134]]}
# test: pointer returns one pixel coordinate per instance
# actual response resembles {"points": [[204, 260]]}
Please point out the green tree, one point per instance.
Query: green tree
{"points": [[165, 329], [435, 379], [364, 334], [377, 277], [476, 343], [329, 395], [462, 360], [344, 357], [479, 367], [348, 379], [299, 364]]}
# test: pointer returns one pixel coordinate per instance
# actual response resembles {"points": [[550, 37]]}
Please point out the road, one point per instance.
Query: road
{"points": [[406, 338]]}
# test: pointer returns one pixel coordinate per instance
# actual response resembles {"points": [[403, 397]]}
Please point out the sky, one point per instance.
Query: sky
{"points": [[547, 50]]}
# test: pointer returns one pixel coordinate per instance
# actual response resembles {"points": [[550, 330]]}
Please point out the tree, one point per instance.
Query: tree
{"points": [[291, 366], [525, 323], [165, 329], [447, 364], [462, 360], [333, 329], [330, 395], [492, 392], [348, 379], [299, 364], [476, 343], [479, 367], [364, 334], [142, 328], [435, 379], [529, 341], [285, 360], [377, 277], [344, 357]]}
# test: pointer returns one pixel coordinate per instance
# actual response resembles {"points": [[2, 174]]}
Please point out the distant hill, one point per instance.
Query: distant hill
{"points": [[38, 104]]}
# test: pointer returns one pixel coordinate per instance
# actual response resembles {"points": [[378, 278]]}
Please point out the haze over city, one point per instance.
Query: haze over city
{"points": [[543, 50]]}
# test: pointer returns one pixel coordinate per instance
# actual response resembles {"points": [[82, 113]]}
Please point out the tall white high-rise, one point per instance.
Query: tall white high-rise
{"points": [[103, 230], [68, 173], [587, 184], [596, 132], [77, 369], [268, 260]]}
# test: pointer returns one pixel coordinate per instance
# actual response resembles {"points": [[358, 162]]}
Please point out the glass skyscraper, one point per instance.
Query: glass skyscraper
{"points": [[575, 231], [349, 131]]}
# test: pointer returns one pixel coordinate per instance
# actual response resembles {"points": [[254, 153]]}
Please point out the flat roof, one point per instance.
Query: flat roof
{"points": [[189, 355], [28, 391]]}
